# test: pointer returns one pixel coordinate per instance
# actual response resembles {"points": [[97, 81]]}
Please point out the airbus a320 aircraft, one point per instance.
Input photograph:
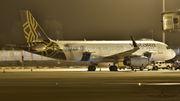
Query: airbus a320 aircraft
{"points": [[132, 53]]}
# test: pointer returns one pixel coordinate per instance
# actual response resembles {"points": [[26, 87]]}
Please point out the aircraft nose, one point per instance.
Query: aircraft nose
{"points": [[173, 54]]}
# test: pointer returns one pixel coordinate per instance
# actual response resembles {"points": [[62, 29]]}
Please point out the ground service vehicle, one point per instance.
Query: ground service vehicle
{"points": [[159, 65], [162, 65]]}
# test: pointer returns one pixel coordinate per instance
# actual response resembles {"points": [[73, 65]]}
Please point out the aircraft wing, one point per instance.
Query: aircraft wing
{"points": [[126, 53]]}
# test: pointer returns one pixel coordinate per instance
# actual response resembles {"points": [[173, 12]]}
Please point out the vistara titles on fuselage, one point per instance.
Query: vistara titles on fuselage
{"points": [[132, 53]]}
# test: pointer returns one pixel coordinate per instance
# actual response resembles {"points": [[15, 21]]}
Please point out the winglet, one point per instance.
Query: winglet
{"points": [[134, 42]]}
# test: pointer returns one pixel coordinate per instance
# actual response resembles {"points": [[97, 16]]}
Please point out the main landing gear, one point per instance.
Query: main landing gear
{"points": [[113, 68], [92, 68]]}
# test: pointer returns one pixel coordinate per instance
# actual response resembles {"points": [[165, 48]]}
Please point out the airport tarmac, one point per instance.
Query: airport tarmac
{"points": [[81, 85]]}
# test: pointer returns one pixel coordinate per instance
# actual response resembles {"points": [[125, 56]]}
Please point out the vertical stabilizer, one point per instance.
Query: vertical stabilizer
{"points": [[37, 41], [33, 32]]}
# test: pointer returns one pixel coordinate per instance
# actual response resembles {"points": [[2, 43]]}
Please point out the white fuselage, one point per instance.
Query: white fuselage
{"points": [[99, 49]]}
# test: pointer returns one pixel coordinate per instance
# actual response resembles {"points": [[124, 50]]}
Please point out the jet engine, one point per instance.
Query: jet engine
{"points": [[136, 61]]}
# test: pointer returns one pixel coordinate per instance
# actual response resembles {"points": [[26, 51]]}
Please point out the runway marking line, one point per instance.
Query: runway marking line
{"points": [[146, 83]]}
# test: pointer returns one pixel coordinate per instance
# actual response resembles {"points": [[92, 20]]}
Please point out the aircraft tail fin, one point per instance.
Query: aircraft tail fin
{"points": [[32, 30]]}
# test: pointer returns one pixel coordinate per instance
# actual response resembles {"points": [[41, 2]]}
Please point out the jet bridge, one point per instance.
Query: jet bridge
{"points": [[170, 21]]}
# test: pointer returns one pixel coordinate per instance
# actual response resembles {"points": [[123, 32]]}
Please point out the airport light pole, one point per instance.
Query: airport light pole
{"points": [[152, 33], [163, 33], [58, 34]]}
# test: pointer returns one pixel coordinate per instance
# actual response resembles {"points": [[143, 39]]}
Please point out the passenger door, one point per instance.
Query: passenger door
{"points": [[160, 49]]}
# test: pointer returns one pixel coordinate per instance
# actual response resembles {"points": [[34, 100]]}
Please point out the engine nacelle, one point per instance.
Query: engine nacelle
{"points": [[136, 61]]}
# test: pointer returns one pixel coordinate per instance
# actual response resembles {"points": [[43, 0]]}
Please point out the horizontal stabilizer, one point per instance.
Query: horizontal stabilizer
{"points": [[11, 45]]}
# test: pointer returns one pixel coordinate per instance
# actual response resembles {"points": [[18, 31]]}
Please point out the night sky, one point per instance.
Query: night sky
{"points": [[94, 19]]}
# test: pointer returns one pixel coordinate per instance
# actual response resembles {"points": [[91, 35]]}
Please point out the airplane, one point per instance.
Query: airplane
{"points": [[132, 53]]}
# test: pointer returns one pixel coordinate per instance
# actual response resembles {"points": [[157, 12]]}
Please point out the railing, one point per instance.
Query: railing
{"points": [[10, 55]]}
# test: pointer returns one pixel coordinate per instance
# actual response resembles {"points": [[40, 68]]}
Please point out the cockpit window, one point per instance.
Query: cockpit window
{"points": [[167, 47]]}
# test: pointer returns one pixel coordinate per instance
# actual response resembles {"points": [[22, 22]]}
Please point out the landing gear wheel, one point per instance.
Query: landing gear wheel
{"points": [[141, 68], [168, 67], [91, 68], [156, 68], [132, 68], [113, 68]]}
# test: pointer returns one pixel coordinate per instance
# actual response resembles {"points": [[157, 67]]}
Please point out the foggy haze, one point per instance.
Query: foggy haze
{"points": [[91, 19]]}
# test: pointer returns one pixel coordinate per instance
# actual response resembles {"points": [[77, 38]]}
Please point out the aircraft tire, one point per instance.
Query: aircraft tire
{"points": [[113, 68], [91, 68], [132, 68], [110, 68], [141, 69], [156, 68]]}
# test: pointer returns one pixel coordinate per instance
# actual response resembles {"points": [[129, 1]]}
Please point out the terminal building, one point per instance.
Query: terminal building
{"points": [[170, 21]]}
